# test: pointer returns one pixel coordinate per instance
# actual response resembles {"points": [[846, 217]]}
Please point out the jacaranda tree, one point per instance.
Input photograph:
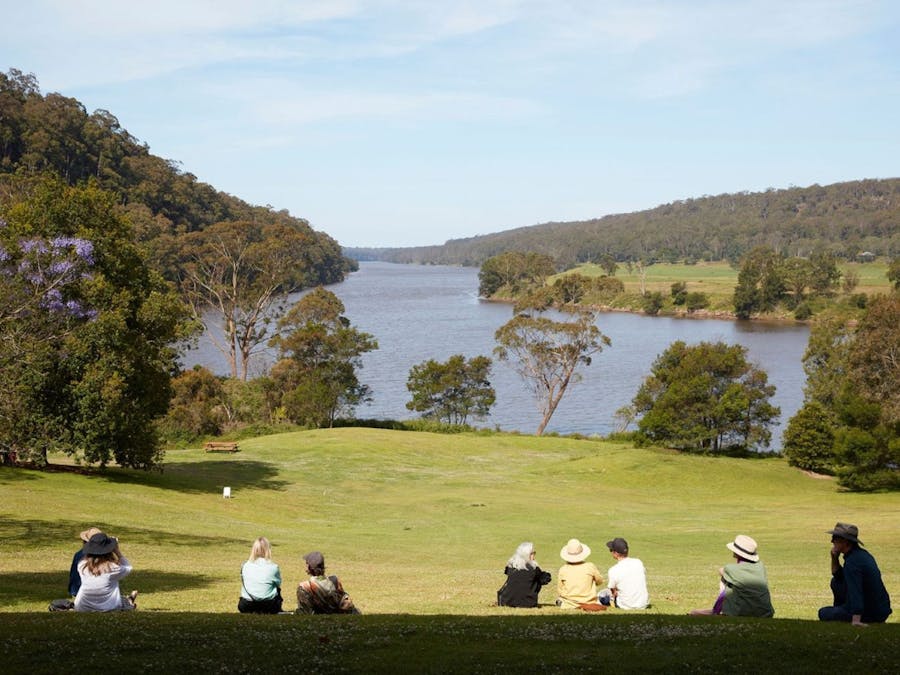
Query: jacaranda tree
{"points": [[86, 328]]}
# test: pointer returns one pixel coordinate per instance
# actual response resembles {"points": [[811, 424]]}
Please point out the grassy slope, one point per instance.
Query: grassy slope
{"points": [[438, 515]]}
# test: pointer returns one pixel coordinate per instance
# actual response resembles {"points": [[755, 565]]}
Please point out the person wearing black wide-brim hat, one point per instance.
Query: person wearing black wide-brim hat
{"points": [[860, 597], [101, 569]]}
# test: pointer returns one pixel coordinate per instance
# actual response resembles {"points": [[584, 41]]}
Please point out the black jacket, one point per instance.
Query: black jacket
{"points": [[522, 587]]}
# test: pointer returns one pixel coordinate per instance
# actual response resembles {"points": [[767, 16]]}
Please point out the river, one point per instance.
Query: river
{"points": [[432, 312]]}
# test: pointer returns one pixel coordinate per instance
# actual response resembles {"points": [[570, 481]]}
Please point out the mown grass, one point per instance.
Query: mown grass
{"points": [[419, 526]]}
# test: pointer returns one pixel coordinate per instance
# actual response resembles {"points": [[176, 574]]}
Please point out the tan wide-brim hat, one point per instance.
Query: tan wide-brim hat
{"points": [[88, 533], [575, 551], [745, 547]]}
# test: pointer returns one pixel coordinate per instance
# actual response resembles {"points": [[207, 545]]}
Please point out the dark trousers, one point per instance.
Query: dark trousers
{"points": [[272, 606], [839, 611]]}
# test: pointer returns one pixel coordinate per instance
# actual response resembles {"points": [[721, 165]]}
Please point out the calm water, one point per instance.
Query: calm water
{"points": [[422, 312]]}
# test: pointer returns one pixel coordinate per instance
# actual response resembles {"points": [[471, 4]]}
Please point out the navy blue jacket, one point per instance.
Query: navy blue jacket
{"points": [[74, 576], [866, 594]]}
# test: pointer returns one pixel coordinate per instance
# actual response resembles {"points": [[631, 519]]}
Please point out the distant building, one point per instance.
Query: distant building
{"points": [[865, 256]]}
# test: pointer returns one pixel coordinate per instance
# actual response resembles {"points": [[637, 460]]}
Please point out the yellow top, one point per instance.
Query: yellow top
{"points": [[577, 583]]}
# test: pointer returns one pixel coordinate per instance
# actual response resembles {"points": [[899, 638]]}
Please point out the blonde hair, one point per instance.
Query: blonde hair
{"points": [[261, 549]]}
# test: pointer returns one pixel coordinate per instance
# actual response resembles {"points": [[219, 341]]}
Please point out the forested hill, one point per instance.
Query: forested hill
{"points": [[51, 133], [845, 218]]}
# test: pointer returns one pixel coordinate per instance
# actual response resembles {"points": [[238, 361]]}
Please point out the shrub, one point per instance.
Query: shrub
{"points": [[695, 301], [803, 311]]}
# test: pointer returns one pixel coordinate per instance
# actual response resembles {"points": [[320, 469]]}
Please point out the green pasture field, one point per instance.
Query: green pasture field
{"points": [[419, 527], [717, 280]]}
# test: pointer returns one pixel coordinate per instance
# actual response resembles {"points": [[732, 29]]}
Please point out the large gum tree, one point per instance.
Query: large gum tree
{"points": [[546, 351]]}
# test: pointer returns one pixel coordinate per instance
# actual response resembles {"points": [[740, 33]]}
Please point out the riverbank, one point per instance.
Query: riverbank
{"points": [[714, 284]]}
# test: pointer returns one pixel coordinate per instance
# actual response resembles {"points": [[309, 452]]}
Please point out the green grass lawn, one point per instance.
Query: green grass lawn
{"points": [[717, 280], [419, 527]]}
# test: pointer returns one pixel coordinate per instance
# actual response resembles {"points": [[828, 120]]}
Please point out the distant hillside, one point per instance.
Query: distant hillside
{"points": [[845, 218], [54, 134]]}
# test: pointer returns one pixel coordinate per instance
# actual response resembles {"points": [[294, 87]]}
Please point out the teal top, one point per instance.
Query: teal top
{"points": [[262, 580], [746, 590]]}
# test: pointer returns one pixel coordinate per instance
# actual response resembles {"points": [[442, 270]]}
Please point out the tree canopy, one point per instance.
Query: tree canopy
{"points": [[850, 421], [316, 378], [706, 397], [452, 391], [87, 327]]}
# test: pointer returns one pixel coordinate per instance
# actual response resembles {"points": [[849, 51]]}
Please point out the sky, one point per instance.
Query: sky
{"points": [[407, 123]]}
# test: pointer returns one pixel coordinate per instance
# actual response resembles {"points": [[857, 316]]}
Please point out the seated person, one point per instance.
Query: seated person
{"points": [[743, 584], [577, 580], [322, 594], [627, 585], [524, 579], [859, 593], [260, 581], [101, 569], [74, 576]]}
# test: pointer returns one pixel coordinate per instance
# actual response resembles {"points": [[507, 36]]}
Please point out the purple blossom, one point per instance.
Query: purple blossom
{"points": [[4, 254], [60, 267], [84, 249], [33, 246]]}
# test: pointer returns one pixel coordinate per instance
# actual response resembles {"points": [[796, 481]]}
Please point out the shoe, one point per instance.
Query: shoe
{"points": [[132, 598]]}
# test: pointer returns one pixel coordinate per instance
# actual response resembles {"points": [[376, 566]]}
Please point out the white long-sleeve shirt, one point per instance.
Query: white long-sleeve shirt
{"points": [[101, 593]]}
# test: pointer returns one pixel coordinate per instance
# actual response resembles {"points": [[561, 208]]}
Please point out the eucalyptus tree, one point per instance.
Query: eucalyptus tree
{"points": [[546, 351], [242, 273]]}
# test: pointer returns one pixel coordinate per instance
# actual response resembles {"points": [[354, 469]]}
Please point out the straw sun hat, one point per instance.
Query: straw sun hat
{"points": [[575, 551], [745, 547]]}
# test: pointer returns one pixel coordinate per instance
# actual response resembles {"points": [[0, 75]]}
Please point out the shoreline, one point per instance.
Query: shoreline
{"points": [[700, 314]]}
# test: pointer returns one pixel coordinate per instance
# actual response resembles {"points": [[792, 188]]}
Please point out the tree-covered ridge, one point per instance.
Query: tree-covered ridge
{"points": [[55, 134], [845, 218]]}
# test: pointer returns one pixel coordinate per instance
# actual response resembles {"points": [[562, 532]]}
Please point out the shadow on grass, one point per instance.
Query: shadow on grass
{"points": [[24, 534], [202, 477], [42, 587], [10, 474], [229, 642]]}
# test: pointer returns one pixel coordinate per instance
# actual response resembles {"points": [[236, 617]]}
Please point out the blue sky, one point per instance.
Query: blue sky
{"points": [[408, 123]]}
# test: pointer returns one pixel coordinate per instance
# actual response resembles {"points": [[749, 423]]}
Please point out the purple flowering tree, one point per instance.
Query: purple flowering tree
{"points": [[86, 329], [41, 277]]}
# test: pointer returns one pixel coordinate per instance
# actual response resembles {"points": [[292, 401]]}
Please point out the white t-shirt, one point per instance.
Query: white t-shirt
{"points": [[629, 578]]}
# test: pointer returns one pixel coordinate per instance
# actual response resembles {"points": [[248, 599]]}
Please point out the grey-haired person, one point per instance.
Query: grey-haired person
{"points": [[860, 597], [524, 579]]}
